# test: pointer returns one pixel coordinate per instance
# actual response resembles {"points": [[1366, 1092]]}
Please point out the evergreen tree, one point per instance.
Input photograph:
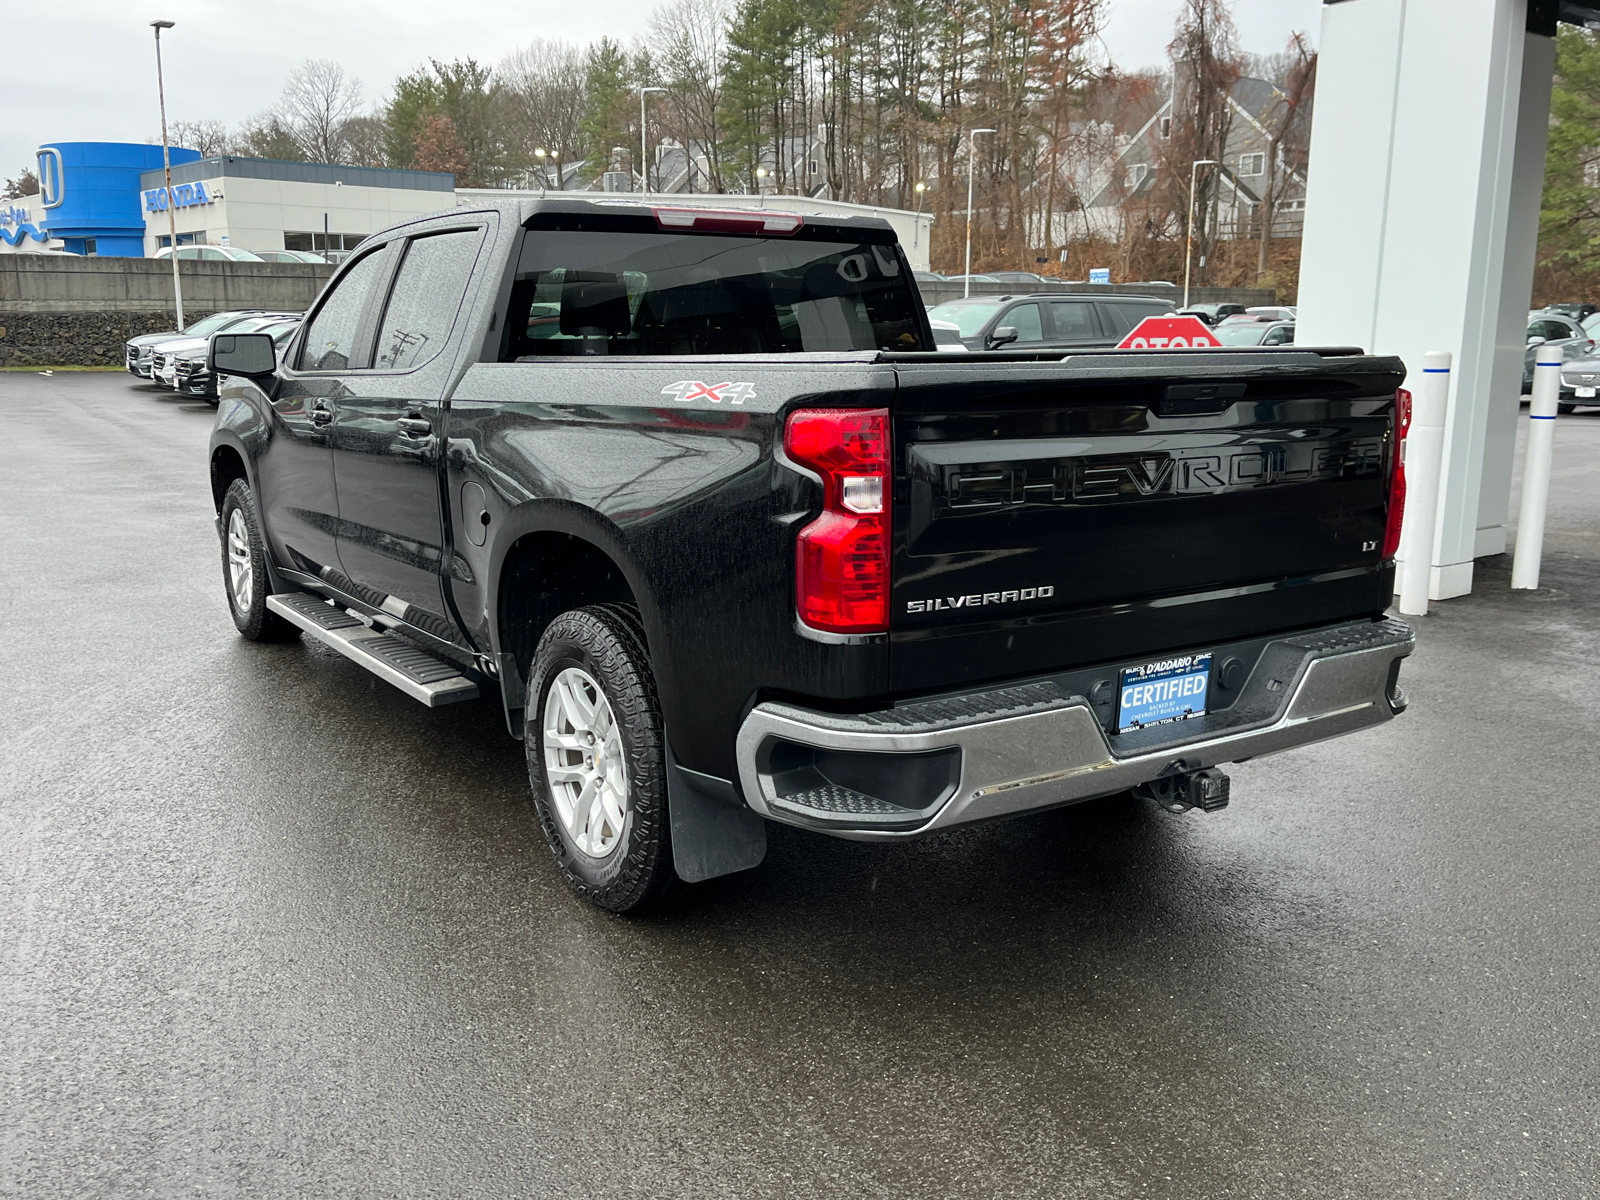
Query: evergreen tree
{"points": [[464, 92], [1569, 217], [609, 112]]}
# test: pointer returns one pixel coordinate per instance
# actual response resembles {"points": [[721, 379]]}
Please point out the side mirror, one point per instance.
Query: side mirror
{"points": [[1003, 336], [1536, 341], [250, 354]]}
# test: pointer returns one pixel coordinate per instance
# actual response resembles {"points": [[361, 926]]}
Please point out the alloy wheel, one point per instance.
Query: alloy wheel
{"points": [[584, 763], [241, 571]]}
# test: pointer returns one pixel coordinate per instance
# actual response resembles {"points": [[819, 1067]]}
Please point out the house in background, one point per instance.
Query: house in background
{"points": [[1131, 170]]}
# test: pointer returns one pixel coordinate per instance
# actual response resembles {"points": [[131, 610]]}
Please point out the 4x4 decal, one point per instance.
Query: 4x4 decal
{"points": [[686, 391]]}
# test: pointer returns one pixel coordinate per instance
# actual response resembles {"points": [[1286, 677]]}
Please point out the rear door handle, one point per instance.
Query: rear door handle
{"points": [[415, 426]]}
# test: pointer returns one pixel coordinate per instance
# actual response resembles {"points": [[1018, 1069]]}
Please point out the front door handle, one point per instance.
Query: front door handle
{"points": [[321, 414], [415, 426]]}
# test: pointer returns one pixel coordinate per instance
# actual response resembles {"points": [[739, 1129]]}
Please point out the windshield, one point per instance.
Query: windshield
{"points": [[239, 255], [1240, 334], [969, 316], [207, 324], [602, 291]]}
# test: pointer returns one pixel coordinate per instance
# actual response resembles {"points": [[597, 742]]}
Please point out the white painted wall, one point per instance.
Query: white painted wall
{"points": [[1418, 232], [254, 213]]}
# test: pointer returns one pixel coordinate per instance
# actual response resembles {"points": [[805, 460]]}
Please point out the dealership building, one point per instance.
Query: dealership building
{"points": [[110, 199], [265, 204]]}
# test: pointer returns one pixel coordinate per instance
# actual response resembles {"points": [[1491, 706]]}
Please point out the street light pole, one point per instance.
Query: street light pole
{"points": [[166, 162], [966, 281], [1188, 242], [644, 162]]}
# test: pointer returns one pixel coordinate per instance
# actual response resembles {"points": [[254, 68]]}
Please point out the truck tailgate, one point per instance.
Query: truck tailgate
{"points": [[1115, 506]]}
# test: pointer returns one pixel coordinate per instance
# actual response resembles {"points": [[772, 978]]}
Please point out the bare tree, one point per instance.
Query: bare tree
{"points": [[317, 102], [1206, 63], [542, 100], [1294, 76], [688, 44], [266, 136], [210, 137], [363, 139]]}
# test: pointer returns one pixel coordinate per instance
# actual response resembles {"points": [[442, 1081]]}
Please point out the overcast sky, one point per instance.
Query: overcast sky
{"points": [[94, 78]]}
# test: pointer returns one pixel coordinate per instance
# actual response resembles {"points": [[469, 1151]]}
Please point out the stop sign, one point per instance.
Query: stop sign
{"points": [[1168, 333]]}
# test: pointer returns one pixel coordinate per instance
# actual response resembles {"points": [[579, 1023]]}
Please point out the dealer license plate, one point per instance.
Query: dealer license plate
{"points": [[1585, 393], [1171, 689]]}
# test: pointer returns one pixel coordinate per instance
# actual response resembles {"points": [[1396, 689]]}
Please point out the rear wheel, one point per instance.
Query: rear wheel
{"points": [[244, 569], [596, 757]]}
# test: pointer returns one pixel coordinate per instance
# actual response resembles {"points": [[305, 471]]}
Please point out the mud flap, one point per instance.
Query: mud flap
{"points": [[713, 833]]}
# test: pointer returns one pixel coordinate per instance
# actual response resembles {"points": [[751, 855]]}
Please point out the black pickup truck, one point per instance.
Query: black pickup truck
{"points": [[692, 492]]}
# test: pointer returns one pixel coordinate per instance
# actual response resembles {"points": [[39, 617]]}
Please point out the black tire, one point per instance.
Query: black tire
{"points": [[606, 643], [1564, 409], [254, 620]]}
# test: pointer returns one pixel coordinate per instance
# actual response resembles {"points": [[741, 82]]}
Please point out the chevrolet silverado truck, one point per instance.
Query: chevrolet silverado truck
{"points": [[693, 494]]}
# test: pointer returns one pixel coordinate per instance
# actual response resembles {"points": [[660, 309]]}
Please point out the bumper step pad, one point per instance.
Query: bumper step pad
{"points": [[418, 674]]}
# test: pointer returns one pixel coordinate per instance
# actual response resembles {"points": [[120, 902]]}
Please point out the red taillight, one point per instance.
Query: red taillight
{"points": [[841, 561], [1395, 516]]}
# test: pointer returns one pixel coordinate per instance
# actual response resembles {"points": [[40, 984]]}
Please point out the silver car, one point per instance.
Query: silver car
{"points": [[1553, 328]]}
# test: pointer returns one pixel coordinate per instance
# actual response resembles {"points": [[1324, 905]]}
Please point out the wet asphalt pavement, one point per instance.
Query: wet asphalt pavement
{"points": [[268, 928]]}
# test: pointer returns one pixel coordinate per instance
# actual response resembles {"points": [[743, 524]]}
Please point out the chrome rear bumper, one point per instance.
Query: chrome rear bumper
{"points": [[1035, 746]]}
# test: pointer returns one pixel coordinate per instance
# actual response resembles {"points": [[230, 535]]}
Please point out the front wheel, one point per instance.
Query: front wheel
{"points": [[596, 757], [244, 569], [1564, 409]]}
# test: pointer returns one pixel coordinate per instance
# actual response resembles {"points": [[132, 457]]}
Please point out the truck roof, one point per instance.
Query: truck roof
{"points": [[523, 209]]}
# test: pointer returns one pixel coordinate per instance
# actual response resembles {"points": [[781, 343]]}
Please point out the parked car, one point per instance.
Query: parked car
{"points": [[1016, 277], [136, 351], [1580, 379], [1255, 333], [927, 277], [947, 337], [290, 256], [1046, 321], [731, 544], [210, 253], [1578, 310], [164, 355], [1272, 312], [189, 369], [973, 279], [1551, 328], [1212, 314]]}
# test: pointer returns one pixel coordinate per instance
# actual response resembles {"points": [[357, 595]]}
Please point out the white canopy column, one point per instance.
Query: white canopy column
{"points": [[1422, 215]]}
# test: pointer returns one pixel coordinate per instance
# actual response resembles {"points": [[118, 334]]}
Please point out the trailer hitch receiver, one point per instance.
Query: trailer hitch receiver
{"points": [[1206, 790]]}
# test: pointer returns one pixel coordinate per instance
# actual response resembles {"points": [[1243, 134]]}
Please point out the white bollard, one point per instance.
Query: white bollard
{"points": [[1424, 457], [1536, 468]]}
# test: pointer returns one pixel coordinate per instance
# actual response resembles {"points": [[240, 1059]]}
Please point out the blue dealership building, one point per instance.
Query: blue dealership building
{"points": [[89, 194]]}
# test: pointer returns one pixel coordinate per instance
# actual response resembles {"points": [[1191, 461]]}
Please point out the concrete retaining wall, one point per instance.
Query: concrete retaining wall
{"points": [[69, 311], [65, 283]]}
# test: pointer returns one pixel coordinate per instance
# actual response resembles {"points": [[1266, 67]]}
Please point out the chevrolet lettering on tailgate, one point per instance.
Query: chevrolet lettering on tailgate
{"points": [[1111, 476]]}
